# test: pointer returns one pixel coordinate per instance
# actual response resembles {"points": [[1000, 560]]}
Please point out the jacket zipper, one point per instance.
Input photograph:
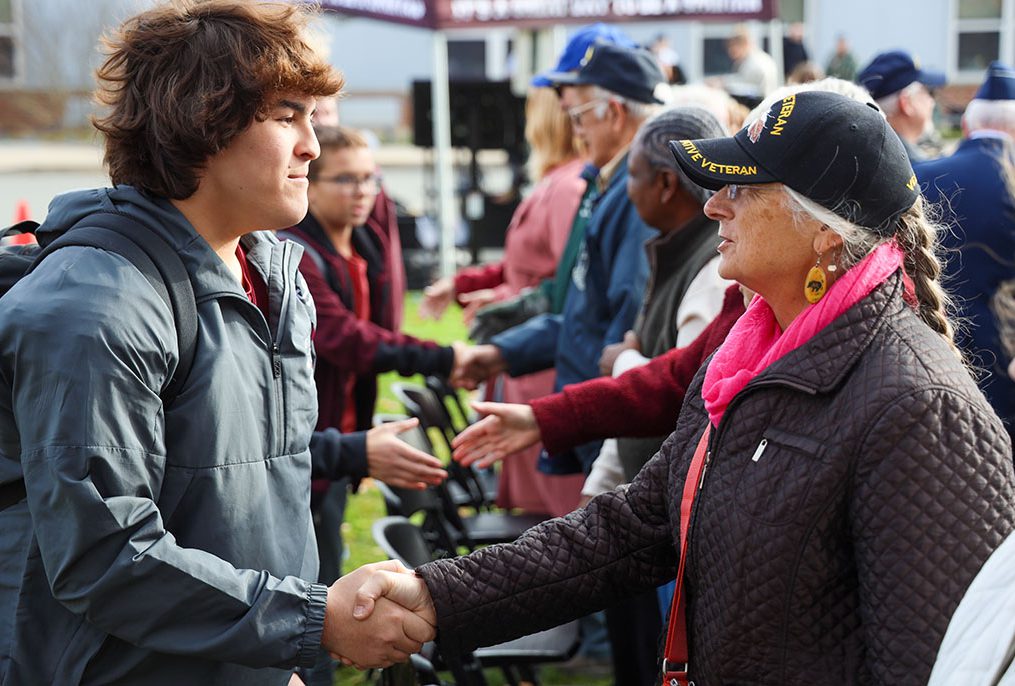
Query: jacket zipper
{"points": [[713, 440], [276, 354]]}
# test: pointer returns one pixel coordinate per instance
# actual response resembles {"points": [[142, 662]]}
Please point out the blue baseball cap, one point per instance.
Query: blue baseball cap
{"points": [[574, 51], [999, 84], [892, 71], [629, 72]]}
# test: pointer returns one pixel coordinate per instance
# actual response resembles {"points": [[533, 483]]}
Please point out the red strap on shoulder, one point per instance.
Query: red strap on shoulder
{"points": [[676, 654]]}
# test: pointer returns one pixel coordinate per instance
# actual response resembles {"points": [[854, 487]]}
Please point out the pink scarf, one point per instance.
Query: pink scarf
{"points": [[756, 341]]}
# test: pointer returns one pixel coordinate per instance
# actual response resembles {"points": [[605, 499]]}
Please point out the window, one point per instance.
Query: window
{"points": [[984, 32], [791, 10], [6, 57], [467, 60], [8, 45], [716, 59]]}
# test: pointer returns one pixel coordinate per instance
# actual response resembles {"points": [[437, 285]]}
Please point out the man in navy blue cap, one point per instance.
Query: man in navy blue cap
{"points": [[614, 90], [902, 89], [612, 93], [977, 183]]}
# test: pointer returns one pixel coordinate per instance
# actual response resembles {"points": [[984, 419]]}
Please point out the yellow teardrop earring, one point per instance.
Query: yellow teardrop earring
{"points": [[816, 283]]}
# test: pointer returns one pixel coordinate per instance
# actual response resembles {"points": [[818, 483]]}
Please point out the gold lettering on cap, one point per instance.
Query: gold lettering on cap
{"points": [[788, 104], [911, 184], [717, 167]]}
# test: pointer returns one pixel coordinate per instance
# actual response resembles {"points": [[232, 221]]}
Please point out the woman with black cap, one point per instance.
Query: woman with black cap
{"points": [[834, 481]]}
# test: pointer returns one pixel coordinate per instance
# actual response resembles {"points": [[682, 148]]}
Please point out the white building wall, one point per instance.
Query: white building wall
{"points": [[873, 26]]}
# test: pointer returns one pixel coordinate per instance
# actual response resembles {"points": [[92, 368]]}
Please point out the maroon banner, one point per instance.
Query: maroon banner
{"points": [[444, 14]]}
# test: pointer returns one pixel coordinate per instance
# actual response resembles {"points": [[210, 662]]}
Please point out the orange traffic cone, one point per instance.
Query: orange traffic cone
{"points": [[21, 213]]}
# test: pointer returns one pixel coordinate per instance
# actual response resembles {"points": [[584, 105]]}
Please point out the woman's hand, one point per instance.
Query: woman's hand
{"points": [[506, 429], [436, 298], [476, 300]]}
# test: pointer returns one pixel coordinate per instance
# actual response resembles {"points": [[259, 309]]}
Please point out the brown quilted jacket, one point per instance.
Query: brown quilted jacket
{"points": [[837, 557]]}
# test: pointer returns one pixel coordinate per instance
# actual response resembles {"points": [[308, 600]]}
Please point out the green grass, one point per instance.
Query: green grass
{"points": [[367, 505]]}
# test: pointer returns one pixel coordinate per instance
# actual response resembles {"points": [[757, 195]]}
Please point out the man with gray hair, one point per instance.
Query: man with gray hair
{"points": [[902, 89], [608, 98], [685, 291]]}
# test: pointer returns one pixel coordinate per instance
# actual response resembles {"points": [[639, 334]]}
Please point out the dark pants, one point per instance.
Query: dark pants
{"points": [[328, 511], [634, 626]]}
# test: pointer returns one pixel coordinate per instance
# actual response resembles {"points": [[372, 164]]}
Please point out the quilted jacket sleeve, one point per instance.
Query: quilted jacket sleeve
{"points": [[560, 570], [931, 501]]}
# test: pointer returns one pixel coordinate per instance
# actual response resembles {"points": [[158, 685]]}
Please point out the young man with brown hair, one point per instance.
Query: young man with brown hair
{"points": [[173, 543]]}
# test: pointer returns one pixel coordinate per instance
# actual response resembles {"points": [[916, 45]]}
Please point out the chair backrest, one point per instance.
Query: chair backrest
{"points": [[449, 399], [423, 403], [401, 540]]}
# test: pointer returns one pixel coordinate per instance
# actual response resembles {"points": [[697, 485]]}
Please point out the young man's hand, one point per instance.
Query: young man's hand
{"points": [[395, 462], [383, 632], [612, 352]]}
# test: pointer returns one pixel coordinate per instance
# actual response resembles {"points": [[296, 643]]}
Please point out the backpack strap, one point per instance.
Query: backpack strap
{"points": [[161, 266], [26, 226]]}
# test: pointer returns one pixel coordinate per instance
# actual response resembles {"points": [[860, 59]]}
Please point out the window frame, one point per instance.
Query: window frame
{"points": [[13, 30], [1003, 26]]}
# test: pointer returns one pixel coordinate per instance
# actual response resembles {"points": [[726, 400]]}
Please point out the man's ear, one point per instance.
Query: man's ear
{"points": [[618, 114], [905, 103], [669, 184]]}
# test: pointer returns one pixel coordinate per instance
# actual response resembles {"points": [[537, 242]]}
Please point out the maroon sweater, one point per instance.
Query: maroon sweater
{"points": [[644, 401]]}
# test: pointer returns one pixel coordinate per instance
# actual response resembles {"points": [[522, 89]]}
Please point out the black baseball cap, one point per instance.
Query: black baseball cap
{"points": [[838, 152], [629, 72]]}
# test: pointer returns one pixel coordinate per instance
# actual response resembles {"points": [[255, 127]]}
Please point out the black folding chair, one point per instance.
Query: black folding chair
{"points": [[435, 419]]}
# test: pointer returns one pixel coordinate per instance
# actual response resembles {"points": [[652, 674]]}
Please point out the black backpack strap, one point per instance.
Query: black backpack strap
{"points": [[27, 226], [161, 266]]}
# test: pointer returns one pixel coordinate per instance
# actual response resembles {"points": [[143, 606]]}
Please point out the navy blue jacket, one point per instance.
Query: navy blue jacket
{"points": [[607, 286], [980, 254]]}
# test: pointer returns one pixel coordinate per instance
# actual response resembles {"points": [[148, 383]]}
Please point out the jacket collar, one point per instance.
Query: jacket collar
{"points": [[822, 364]]}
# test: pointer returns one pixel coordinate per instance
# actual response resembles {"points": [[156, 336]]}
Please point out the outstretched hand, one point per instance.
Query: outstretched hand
{"points": [[506, 429], [474, 301], [436, 298], [388, 633], [395, 462]]}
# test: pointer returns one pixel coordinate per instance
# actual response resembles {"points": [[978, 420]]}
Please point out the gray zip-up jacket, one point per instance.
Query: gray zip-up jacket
{"points": [[168, 546]]}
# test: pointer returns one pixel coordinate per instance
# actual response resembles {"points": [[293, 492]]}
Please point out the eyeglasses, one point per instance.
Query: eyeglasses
{"points": [[350, 183], [576, 112], [731, 190]]}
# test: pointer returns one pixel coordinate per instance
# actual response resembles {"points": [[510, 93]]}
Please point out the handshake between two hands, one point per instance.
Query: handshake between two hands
{"points": [[377, 616]]}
